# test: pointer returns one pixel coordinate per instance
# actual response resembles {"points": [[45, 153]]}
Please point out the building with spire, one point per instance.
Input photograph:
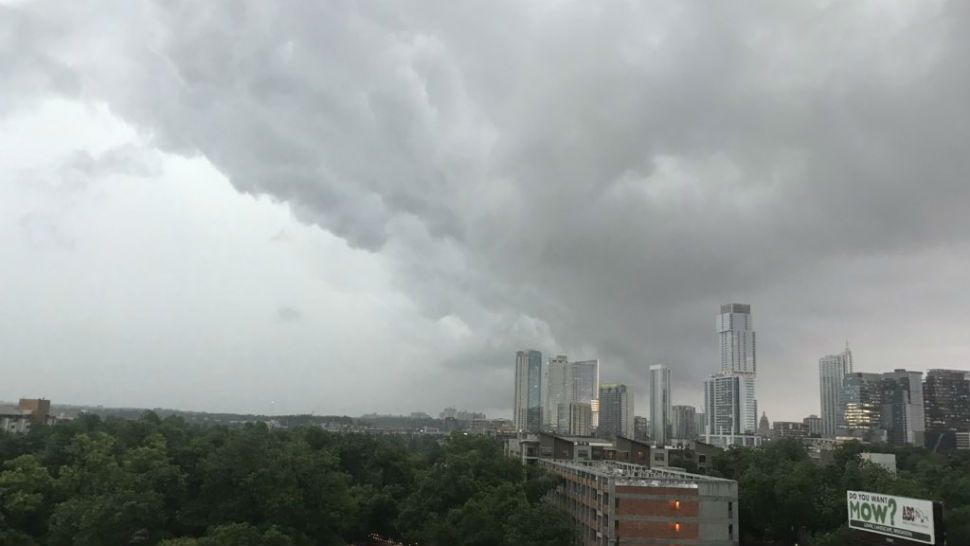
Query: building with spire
{"points": [[764, 427]]}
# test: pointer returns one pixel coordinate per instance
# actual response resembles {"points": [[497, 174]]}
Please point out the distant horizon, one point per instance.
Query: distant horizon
{"points": [[497, 414]]}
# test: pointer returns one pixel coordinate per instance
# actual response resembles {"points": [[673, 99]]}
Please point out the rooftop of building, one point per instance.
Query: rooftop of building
{"points": [[634, 474], [14, 410], [736, 308]]}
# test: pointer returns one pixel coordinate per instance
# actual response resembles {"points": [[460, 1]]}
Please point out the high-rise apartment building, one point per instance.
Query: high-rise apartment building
{"points": [[946, 394], [616, 411], [736, 339], [861, 403], [660, 404], [730, 405], [527, 411], [730, 402], [831, 372], [683, 422], [902, 414]]}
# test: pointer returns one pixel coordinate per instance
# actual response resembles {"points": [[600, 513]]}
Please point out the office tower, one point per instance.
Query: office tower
{"points": [[902, 413], [861, 403], [568, 382], [584, 379], [700, 420], [831, 371], [813, 424], [616, 411], [736, 339], [641, 428], [554, 387], [580, 419], [730, 407], [659, 404], [683, 422], [764, 427], [528, 391], [946, 394]]}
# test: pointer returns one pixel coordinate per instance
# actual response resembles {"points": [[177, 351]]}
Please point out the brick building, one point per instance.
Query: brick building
{"points": [[616, 503]]}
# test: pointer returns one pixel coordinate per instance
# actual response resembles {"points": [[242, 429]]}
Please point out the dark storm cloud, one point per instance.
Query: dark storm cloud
{"points": [[614, 170]]}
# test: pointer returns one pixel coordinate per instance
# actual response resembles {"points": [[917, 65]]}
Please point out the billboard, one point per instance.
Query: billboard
{"points": [[898, 517]]}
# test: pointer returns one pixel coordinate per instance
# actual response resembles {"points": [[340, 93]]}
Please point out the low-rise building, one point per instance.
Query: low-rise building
{"points": [[617, 503], [725, 441], [885, 460], [814, 425], [15, 420], [789, 429], [530, 448]]}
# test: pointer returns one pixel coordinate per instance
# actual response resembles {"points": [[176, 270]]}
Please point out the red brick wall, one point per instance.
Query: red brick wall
{"points": [[644, 507], [657, 529]]}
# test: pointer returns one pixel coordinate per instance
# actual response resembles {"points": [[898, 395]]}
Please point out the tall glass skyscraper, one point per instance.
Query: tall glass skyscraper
{"points": [[947, 400], [730, 401], [902, 414], [528, 391], [861, 404], [831, 372], [659, 404], [736, 339]]}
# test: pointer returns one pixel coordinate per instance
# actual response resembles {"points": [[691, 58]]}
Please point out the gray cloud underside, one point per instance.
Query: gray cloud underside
{"points": [[614, 170]]}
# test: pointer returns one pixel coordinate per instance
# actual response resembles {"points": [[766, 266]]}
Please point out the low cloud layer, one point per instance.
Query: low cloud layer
{"points": [[581, 178]]}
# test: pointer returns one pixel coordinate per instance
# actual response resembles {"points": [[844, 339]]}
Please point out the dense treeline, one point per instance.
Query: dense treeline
{"points": [[786, 498], [94, 482]]}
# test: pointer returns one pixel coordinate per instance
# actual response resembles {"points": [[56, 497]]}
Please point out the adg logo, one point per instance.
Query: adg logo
{"points": [[915, 516]]}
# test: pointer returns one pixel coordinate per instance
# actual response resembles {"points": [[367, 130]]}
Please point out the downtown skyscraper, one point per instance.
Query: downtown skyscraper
{"points": [[730, 400], [568, 384], [616, 411], [831, 373], [946, 394], [902, 415], [660, 404], [527, 412]]}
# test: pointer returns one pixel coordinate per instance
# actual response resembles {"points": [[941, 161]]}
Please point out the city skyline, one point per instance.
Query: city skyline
{"points": [[228, 209]]}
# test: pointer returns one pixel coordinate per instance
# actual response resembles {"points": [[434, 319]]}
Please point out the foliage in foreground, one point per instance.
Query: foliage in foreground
{"points": [[785, 498], [149, 481]]}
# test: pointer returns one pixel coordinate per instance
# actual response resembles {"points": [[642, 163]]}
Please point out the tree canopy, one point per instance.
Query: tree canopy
{"points": [[786, 498], [164, 482]]}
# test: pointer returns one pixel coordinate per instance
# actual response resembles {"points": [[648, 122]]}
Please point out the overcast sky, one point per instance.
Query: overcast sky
{"points": [[354, 206]]}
